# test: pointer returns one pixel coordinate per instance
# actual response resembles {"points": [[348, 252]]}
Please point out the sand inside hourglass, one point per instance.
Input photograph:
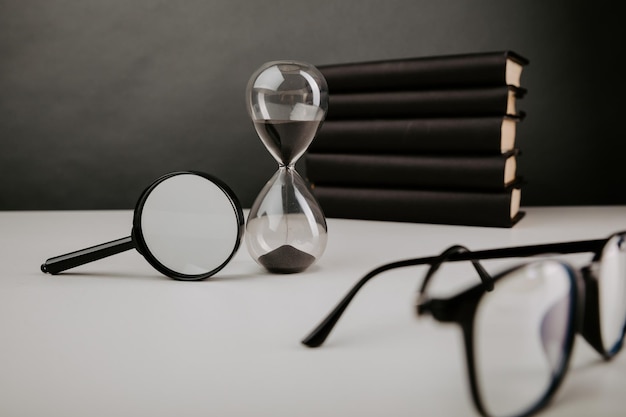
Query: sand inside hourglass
{"points": [[287, 140], [286, 260], [306, 240]]}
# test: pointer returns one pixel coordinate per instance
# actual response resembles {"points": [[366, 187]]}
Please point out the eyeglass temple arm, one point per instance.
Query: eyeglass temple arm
{"points": [[321, 332], [562, 248], [445, 256], [319, 335], [80, 257]]}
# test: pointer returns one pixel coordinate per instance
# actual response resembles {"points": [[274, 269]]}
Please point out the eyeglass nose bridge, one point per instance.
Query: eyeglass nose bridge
{"points": [[589, 313]]}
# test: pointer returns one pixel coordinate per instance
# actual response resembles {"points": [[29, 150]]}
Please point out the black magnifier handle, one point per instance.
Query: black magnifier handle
{"points": [[83, 256]]}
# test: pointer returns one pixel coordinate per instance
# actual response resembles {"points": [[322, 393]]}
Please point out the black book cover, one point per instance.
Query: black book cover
{"points": [[487, 101], [486, 135], [459, 172], [499, 209], [496, 68]]}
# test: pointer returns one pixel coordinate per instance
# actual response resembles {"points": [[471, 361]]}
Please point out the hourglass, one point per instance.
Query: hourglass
{"points": [[286, 229]]}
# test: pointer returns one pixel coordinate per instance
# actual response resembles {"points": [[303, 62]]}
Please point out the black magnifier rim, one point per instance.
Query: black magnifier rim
{"points": [[140, 242]]}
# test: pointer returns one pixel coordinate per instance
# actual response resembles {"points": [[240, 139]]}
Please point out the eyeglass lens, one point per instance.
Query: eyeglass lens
{"points": [[612, 292], [520, 335]]}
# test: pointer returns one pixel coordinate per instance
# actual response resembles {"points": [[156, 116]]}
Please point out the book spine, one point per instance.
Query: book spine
{"points": [[463, 70], [411, 171], [494, 101], [416, 206], [486, 135]]}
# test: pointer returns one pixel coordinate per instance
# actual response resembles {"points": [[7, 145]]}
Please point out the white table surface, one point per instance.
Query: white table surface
{"points": [[115, 338]]}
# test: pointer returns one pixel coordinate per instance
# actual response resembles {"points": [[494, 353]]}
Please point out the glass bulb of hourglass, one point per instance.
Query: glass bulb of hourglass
{"points": [[286, 229]]}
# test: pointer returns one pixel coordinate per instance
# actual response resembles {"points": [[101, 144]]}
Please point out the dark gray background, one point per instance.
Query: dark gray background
{"points": [[100, 97]]}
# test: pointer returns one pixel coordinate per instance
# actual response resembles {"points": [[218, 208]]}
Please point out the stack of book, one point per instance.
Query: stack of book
{"points": [[426, 140]]}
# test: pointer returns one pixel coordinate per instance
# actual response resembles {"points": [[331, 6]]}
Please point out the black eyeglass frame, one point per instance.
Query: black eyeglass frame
{"points": [[461, 308]]}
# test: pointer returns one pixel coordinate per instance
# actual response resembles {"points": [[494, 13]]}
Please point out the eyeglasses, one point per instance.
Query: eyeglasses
{"points": [[519, 337]]}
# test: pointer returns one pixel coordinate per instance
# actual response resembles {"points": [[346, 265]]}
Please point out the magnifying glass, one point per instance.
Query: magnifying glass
{"points": [[188, 225]]}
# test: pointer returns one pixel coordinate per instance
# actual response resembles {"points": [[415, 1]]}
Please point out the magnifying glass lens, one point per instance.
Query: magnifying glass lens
{"points": [[187, 225]]}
